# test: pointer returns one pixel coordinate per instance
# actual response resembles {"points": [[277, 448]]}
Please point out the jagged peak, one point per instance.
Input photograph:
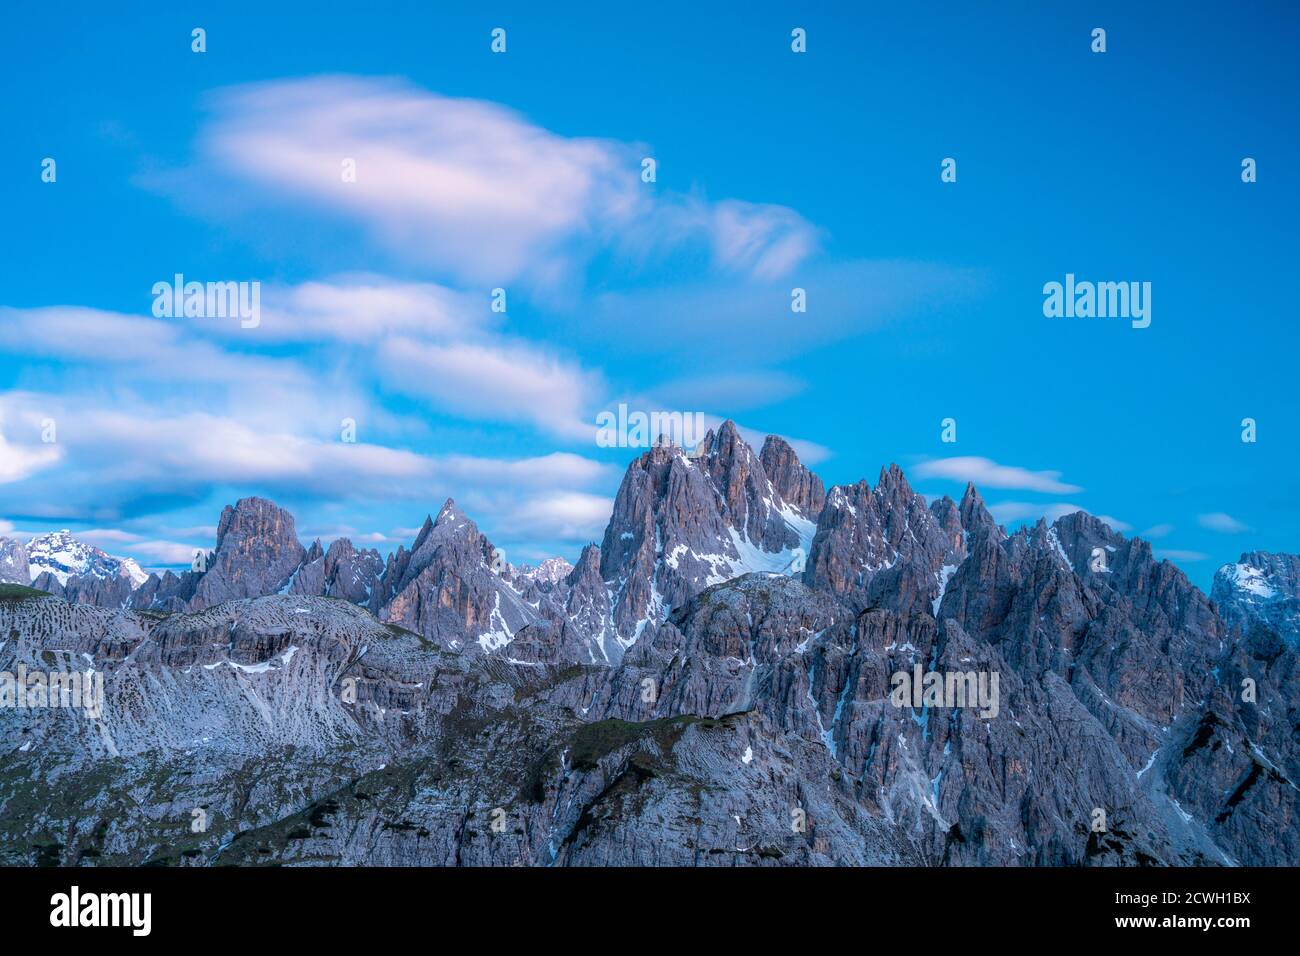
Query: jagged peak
{"points": [[727, 443], [892, 479], [255, 511], [775, 444], [424, 532], [449, 512], [254, 503], [974, 513], [1083, 523], [793, 481], [944, 504], [451, 520], [729, 431]]}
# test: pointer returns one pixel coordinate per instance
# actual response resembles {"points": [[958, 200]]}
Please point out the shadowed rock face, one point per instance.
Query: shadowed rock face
{"points": [[13, 563], [685, 694], [341, 572]]}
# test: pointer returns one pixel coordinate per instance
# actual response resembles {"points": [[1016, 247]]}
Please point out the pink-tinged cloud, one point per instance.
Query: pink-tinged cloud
{"points": [[473, 187], [497, 381]]}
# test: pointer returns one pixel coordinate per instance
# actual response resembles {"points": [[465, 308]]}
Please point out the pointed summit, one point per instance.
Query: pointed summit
{"points": [[422, 533], [792, 481], [450, 514], [682, 524], [892, 483], [975, 516]]}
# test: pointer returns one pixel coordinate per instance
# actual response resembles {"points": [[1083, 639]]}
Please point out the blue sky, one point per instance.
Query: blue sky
{"points": [[521, 171]]}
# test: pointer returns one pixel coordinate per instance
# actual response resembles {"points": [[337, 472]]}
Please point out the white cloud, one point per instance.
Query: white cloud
{"points": [[116, 456], [150, 553], [1115, 523], [751, 239], [1157, 531], [555, 469], [18, 462], [428, 341], [1223, 523], [985, 473], [362, 309], [1174, 554], [503, 381], [561, 515], [160, 350], [471, 186]]}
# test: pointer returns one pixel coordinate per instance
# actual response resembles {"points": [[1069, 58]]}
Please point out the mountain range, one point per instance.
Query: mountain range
{"points": [[711, 684]]}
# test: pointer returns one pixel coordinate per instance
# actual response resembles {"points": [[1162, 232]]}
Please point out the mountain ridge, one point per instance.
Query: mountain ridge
{"points": [[695, 651]]}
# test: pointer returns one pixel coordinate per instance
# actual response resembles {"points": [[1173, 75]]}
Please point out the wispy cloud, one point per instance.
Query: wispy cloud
{"points": [[1007, 512], [362, 309], [150, 553], [1157, 531], [470, 186], [118, 459], [1176, 554], [1115, 523], [18, 462], [148, 350], [1223, 523], [502, 381], [986, 473], [566, 516]]}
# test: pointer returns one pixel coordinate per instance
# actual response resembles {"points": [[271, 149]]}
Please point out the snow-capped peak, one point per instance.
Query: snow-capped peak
{"points": [[550, 571], [1249, 579], [63, 556]]}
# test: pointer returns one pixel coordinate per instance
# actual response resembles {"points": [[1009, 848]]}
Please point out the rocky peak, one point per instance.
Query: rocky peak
{"points": [[14, 568], [1262, 588], [975, 516], [865, 532], [549, 571], [681, 524], [450, 516], [753, 505], [63, 556], [257, 553], [447, 588], [792, 481], [341, 572], [254, 518]]}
